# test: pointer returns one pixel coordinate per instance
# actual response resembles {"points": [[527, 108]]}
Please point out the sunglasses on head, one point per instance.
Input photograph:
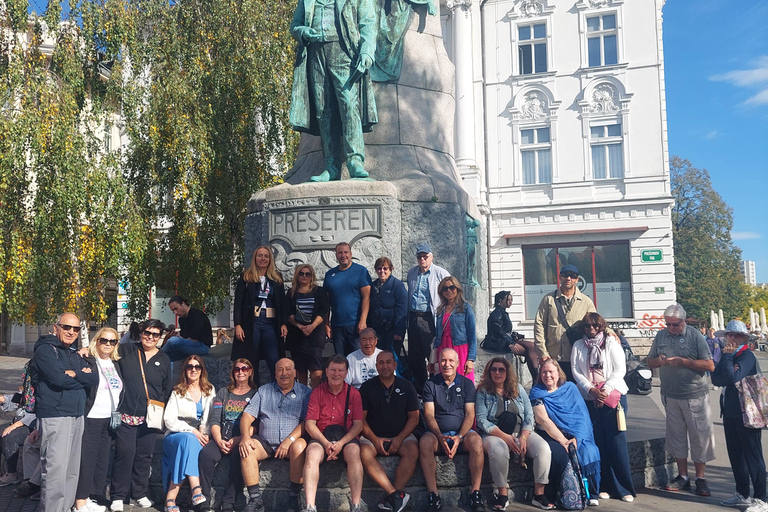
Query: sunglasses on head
{"points": [[243, 369], [67, 328], [151, 334], [107, 341], [194, 367], [451, 288]]}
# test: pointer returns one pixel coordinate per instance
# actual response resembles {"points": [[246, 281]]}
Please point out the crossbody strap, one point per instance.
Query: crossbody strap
{"points": [[143, 377], [111, 398], [346, 404], [561, 314]]}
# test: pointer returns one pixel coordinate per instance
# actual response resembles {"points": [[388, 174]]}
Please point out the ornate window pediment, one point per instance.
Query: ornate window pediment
{"points": [[534, 104], [530, 8], [604, 96], [583, 5]]}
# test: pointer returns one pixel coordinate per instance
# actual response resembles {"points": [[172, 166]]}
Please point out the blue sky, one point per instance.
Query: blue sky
{"points": [[716, 63]]}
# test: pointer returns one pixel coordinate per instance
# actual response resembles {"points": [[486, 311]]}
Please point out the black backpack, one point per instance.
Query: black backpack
{"points": [[638, 378]]}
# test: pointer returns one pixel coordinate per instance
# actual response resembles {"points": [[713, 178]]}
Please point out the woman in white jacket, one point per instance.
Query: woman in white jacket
{"points": [[598, 364], [186, 421]]}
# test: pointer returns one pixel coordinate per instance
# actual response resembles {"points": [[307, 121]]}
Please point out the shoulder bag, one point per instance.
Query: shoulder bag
{"points": [[753, 397], [334, 433], [155, 408]]}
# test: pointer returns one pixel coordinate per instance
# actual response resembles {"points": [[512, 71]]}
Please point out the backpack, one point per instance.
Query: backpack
{"points": [[28, 381], [638, 378], [572, 494]]}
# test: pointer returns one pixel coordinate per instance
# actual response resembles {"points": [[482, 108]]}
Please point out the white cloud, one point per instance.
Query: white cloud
{"points": [[745, 235], [754, 78], [711, 135]]}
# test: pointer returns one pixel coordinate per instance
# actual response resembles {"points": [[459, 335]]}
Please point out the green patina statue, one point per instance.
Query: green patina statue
{"points": [[332, 92]]}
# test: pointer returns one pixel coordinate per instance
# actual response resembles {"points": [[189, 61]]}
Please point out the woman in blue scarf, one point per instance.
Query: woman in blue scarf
{"points": [[562, 416]]}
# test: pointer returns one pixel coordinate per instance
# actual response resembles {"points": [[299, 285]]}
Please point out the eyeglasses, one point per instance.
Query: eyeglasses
{"points": [[596, 326], [67, 328], [243, 369], [107, 341], [569, 276], [674, 324], [305, 274], [151, 334], [194, 367], [379, 269], [498, 369], [422, 256], [451, 288]]}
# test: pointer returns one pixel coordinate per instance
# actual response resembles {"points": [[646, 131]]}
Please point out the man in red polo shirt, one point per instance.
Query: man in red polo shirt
{"points": [[334, 420]]}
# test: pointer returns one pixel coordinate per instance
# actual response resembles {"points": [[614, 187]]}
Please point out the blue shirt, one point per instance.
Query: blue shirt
{"points": [[420, 298], [343, 287], [278, 413]]}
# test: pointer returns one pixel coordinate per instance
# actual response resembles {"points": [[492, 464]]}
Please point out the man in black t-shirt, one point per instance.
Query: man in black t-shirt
{"points": [[196, 332], [390, 412]]}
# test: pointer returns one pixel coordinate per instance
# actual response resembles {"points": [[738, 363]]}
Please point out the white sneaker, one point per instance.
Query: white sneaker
{"points": [[604, 496], [116, 506], [757, 506], [593, 502], [142, 502], [94, 507], [737, 500]]}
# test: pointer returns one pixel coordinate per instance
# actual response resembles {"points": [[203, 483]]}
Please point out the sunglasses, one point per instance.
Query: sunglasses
{"points": [[451, 288], [596, 326], [569, 276], [379, 269], [194, 367], [151, 334], [422, 256], [305, 274], [107, 341], [498, 369], [674, 324], [243, 369], [67, 328]]}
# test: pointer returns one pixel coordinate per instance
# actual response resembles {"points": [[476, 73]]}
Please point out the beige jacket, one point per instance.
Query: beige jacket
{"points": [[549, 335]]}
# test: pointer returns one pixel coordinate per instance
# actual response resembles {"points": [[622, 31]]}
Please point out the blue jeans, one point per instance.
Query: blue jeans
{"points": [[345, 339], [265, 346], [178, 348]]}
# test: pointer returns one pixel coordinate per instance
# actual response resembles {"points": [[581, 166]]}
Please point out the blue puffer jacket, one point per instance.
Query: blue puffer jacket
{"points": [[462, 330]]}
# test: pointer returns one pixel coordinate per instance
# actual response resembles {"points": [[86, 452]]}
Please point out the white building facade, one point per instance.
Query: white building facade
{"points": [[566, 119], [748, 271]]}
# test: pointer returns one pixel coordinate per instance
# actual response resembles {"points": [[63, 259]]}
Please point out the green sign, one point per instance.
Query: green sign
{"points": [[659, 289], [651, 255]]}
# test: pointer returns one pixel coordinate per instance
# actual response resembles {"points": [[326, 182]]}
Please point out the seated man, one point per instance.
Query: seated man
{"points": [[334, 420], [196, 335], [362, 362], [281, 408], [449, 412], [390, 412]]}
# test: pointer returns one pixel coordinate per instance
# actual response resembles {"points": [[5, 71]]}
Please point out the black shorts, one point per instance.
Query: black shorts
{"points": [[267, 447], [306, 357]]}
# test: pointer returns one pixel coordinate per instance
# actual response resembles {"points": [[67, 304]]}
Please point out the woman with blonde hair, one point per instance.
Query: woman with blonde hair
{"points": [[100, 405], [455, 326], [186, 419], [260, 314], [307, 312]]}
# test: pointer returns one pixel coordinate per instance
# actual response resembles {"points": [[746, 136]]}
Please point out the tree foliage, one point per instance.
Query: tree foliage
{"points": [[706, 260], [202, 90]]}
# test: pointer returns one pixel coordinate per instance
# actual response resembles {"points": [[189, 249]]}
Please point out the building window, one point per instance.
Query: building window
{"points": [[607, 154], [536, 149], [532, 48], [602, 40], [107, 137], [605, 275]]}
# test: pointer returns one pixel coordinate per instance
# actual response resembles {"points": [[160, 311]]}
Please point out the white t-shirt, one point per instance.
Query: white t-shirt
{"points": [[361, 367], [102, 405]]}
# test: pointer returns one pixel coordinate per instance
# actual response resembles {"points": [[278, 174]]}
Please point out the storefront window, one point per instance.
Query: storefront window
{"points": [[604, 269]]}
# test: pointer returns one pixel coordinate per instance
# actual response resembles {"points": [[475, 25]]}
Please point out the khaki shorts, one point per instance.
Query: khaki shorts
{"points": [[690, 419], [410, 438]]}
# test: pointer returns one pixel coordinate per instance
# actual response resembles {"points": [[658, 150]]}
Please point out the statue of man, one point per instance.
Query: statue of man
{"points": [[332, 92]]}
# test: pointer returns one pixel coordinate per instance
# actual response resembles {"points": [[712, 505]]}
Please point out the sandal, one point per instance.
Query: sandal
{"points": [[172, 507], [499, 502], [197, 497]]}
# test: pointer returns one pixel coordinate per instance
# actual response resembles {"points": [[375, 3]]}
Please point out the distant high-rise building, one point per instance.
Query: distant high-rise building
{"points": [[748, 271]]}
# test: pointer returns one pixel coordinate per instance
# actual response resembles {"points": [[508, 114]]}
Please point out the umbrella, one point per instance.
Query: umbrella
{"points": [[721, 322], [762, 320], [713, 320]]}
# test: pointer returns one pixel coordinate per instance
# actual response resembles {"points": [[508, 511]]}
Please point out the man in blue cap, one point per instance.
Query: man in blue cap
{"points": [[423, 299], [558, 320]]}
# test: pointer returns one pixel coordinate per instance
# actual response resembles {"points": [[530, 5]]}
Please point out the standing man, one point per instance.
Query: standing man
{"points": [[196, 333], [681, 354], [60, 393], [332, 93], [362, 362], [281, 408], [423, 299], [558, 320], [390, 412], [449, 413], [334, 420], [349, 289]]}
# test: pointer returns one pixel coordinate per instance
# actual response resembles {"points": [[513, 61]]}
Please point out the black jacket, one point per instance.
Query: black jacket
{"points": [[158, 373], [728, 372], [389, 306], [58, 395], [95, 389], [500, 326], [245, 299]]}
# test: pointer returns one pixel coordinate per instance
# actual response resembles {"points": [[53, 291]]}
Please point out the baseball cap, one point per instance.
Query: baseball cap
{"points": [[569, 269], [423, 247]]}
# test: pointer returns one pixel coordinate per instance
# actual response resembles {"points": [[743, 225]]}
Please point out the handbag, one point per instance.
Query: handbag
{"points": [[507, 421], [753, 397], [114, 415], [334, 433], [155, 408], [572, 494]]}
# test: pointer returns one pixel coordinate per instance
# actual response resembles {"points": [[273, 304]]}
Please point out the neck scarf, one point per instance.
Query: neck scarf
{"points": [[596, 353]]}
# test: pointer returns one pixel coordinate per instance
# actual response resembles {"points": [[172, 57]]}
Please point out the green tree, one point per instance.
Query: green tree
{"points": [[706, 260], [758, 298], [205, 92], [66, 213]]}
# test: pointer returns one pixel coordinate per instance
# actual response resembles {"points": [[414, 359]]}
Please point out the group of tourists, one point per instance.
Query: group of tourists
{"points": [[357, 405]]}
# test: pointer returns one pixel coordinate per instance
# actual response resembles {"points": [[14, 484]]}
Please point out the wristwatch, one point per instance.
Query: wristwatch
{"points": [[461, 437], [293, 439]]}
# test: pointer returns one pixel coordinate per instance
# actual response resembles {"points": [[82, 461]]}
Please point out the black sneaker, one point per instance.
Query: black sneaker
{"points": [[434, 503], [385, 504], [702, 489], [542, 502], [476, 502], [398, 500], [293, 503], [254, 505], [680, 483], [499, 502], [26, 489]]}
